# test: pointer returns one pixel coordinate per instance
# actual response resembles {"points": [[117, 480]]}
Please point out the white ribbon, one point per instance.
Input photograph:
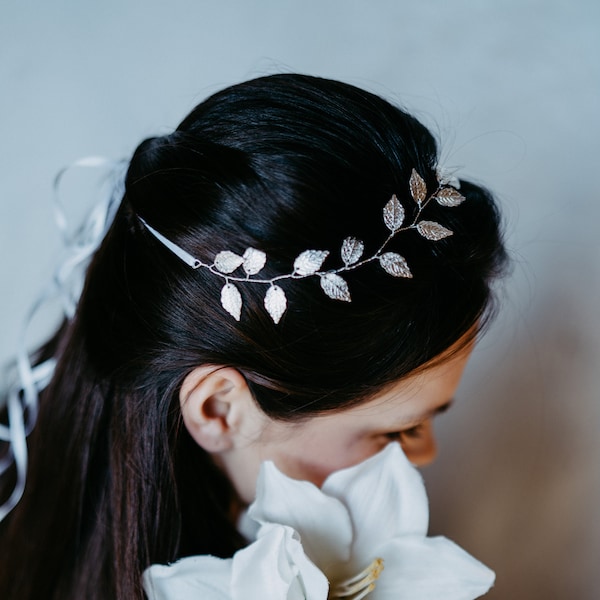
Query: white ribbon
{"points": [[22, 398]]}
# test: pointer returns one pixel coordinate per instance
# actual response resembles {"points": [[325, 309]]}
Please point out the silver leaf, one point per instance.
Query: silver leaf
{"points": [[447, 177], [433, 231], [393, 214], [227, 262], [254, 261], [275, 302], [231, 300], [418, 189], [309, 262], [395, 265], [448, 196], [352, 250], [335, 287]]}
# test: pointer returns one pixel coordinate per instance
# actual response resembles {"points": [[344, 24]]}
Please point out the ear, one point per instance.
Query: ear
{"points": [[215, 404]]}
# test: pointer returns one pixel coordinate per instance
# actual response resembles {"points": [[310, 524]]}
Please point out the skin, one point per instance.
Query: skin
{"points": [[221, 415]]}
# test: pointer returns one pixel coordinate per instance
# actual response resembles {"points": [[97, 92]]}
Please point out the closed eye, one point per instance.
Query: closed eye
{"points": [[417, 431], [412, 432]]}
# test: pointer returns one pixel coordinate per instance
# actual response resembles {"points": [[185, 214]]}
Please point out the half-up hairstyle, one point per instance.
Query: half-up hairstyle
{"points": [[282, 164]]}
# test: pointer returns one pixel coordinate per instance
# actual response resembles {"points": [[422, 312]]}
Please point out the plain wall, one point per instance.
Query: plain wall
{"points": [[510, 87]]}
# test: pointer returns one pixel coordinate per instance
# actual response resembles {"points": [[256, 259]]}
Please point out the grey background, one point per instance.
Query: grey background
{"points": [[510, 87]]}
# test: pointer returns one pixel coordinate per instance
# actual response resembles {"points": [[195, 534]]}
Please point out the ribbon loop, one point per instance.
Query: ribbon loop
{"points": [[66, 284]]}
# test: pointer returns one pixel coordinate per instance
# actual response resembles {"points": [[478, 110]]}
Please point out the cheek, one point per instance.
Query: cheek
{"points": [[315, 459]]}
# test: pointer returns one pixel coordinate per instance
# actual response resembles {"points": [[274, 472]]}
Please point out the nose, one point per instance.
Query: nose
{"points": [[419, 444]]}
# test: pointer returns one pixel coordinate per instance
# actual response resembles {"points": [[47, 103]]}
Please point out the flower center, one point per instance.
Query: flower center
{"points": [[357, 587]]}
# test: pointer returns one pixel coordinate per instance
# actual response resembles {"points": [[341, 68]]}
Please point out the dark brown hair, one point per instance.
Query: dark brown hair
{"points": [[283, 164]]}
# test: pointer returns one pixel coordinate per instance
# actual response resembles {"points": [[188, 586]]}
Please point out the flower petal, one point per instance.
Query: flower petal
{"points": [[275, 567], [323, 522], [386, 499], [190, 578], [431, 568]]}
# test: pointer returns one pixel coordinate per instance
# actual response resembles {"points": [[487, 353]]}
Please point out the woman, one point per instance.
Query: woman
{"points": [[287, 278]]}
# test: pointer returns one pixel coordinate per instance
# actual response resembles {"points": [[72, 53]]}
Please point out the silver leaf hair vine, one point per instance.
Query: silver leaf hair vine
{"points": [[309, 262]]}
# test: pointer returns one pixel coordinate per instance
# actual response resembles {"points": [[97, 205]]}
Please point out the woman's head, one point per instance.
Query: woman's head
{"points": [[281, 164]]}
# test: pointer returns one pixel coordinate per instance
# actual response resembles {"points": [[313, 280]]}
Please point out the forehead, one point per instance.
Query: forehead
{"points": [[422, 393], [400, 405]]}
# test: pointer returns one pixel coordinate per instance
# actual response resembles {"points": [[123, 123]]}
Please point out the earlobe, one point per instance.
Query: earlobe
{"points": [[213, 401]]}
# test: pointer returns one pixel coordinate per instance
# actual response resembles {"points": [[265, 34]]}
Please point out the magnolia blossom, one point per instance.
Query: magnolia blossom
{"points": [[362, 534]]}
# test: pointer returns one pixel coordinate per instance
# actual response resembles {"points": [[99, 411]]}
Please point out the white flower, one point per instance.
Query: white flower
{"points": [[363, 517], [274, 567]]}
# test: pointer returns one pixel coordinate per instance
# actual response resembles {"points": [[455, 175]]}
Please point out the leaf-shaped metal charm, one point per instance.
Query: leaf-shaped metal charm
{"points": [[231, 300], [393, 214], [395, 265], [310, 261], [254, 260], [335, 287], [447, 177], [275, 302], [352, 250], [448, 196], [227, 262], [418, 189], [432, 230]]}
